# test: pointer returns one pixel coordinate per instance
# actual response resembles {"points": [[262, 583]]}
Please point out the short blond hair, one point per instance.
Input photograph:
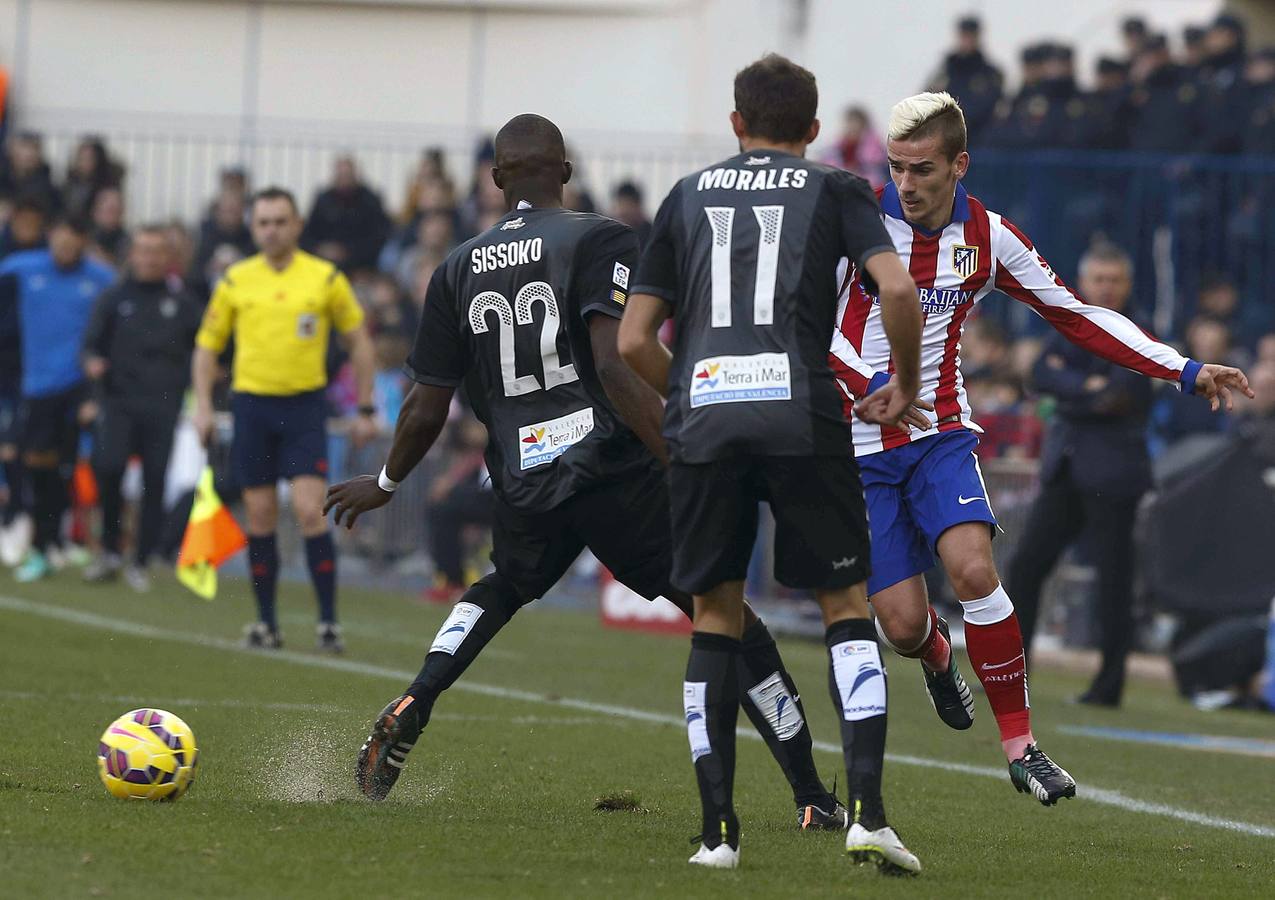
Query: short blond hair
{"points": [[930, 114]]}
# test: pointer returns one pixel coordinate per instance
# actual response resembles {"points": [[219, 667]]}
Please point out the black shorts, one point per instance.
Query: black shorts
{"points": [[50, 424], [624, 523], [279, 437], [821, 522]]}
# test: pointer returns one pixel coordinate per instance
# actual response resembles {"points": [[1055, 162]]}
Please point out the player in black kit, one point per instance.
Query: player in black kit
{"points": [[527, 313], [745, 256]]}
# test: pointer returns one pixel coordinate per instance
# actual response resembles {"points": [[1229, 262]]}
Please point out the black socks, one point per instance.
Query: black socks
{"points": [[710, 697], [856, 680], [771, 702]]}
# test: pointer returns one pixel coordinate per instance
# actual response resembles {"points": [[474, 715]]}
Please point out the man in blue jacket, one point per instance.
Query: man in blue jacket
{"points": [[1094, 469], [55, 291]]}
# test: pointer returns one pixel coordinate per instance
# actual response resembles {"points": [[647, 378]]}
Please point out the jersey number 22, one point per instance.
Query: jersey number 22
{"points": [[492, 301]]}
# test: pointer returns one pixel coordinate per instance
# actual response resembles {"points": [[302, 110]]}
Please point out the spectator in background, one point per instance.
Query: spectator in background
{"points": [[1014, 124], [225, 226], [24, 231], [1104, 122], [1259, 130], [1133, 33], [459, 497], [627, 206], [484, 197], [430, 174], [434, 198], [181, 250], [1094, 470], [110, 237], [137, 356], [859, 148], [1193, 50], [1174, 417], [968, 76], [91, 171], [56, 289], [26, 174], [1219, 300], [1168, 115], [435, 236], [419, 285], [25, 228], [391, 346], [347, 224], [388, 309], [1222, 79], [1266, 348]]}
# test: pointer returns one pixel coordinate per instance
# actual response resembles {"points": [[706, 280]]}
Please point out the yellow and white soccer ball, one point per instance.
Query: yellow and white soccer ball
{"points": [[147, 754]]}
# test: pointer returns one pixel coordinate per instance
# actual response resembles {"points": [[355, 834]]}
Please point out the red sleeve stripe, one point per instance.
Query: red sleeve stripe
{"points": [[1082, 331]]}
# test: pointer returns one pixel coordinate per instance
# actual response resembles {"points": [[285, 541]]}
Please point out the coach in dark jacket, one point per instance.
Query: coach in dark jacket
{"points": [[137, 351], [1094, 470]]}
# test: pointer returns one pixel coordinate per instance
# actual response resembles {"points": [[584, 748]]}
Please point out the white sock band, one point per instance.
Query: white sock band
{"points": [[995, 607], [779, 708], [455, 628], [860, 677]]}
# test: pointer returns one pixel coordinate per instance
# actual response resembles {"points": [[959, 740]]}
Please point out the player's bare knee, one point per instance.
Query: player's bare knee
{"points": [[902, 630], [973, 578]]}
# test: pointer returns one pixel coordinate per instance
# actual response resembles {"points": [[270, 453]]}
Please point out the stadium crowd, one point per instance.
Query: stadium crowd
{"points": [[1215, 95]]}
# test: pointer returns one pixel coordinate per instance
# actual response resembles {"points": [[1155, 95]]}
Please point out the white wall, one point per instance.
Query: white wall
{"points": [[624, 78]]}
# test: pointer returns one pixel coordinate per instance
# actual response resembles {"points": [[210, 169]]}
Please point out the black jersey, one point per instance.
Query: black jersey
{"points": [[506, 313], [746, 251]]}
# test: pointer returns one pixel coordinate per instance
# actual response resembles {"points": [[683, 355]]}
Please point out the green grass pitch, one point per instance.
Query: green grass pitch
{"points": [[498, 797]]}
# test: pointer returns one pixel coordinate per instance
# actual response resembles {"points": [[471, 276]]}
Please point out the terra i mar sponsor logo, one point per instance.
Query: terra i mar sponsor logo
{"points": [[543, 442], [741, 379]]}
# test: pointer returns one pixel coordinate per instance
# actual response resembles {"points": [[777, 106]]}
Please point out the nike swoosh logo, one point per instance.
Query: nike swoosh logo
{"points": [[779, 709], [964, 500], [454, 628], [987, 666]]}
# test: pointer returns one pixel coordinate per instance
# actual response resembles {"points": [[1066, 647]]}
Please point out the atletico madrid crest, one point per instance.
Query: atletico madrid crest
{"points": [[964, 260]]}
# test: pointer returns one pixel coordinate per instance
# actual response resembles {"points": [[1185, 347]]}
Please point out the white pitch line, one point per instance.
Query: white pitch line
{"points": [[138, 629]]}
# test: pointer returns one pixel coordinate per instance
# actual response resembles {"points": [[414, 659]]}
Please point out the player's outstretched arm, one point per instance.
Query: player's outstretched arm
{"points": [[639, 340], [901, 316], [1023, 274], [420, 420], [635, 400]]}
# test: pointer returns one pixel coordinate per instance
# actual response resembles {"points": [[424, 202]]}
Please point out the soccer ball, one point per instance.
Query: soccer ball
{"points": [[147, 754]]}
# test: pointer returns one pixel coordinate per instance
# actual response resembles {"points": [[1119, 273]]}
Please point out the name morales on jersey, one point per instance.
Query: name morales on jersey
{"points": [[500, 256], [749, 180], [544, 442], [741, 379]]}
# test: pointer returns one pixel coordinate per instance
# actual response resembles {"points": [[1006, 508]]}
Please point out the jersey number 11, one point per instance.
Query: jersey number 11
{"points": [[770, 222]]}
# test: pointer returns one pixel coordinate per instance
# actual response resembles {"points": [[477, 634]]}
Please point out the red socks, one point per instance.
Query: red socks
{"points": [[996, 653]]}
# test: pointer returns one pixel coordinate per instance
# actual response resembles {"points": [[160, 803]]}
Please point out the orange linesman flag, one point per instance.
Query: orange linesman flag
{"points": [[212, 537]]}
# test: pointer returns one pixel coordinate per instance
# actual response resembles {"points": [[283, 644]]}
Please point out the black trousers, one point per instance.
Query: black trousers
{"points": [[1061, 513], [125, 428]]}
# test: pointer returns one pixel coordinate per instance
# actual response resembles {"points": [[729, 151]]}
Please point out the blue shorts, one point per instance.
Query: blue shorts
{"points": [[279, 437], [915, 493]]}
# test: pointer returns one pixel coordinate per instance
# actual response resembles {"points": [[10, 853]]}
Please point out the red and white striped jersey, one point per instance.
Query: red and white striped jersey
{"points": [[980, 251]]}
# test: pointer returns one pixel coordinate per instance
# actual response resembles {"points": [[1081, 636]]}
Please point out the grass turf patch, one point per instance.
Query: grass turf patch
{"points": [[496, 799]]}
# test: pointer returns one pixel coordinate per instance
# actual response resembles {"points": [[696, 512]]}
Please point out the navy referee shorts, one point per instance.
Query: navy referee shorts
{"points": [[279, 437]]}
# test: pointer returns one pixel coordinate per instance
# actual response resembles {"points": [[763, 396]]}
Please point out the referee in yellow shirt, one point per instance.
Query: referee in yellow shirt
{"points": [[280, 307]]}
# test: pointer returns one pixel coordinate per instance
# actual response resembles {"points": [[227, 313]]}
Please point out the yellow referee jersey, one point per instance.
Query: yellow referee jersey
{"points": [[280, 322]]}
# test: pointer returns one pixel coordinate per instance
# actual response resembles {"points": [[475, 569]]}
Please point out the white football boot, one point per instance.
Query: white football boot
{"points": [[720, 857], [882, 847]]}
